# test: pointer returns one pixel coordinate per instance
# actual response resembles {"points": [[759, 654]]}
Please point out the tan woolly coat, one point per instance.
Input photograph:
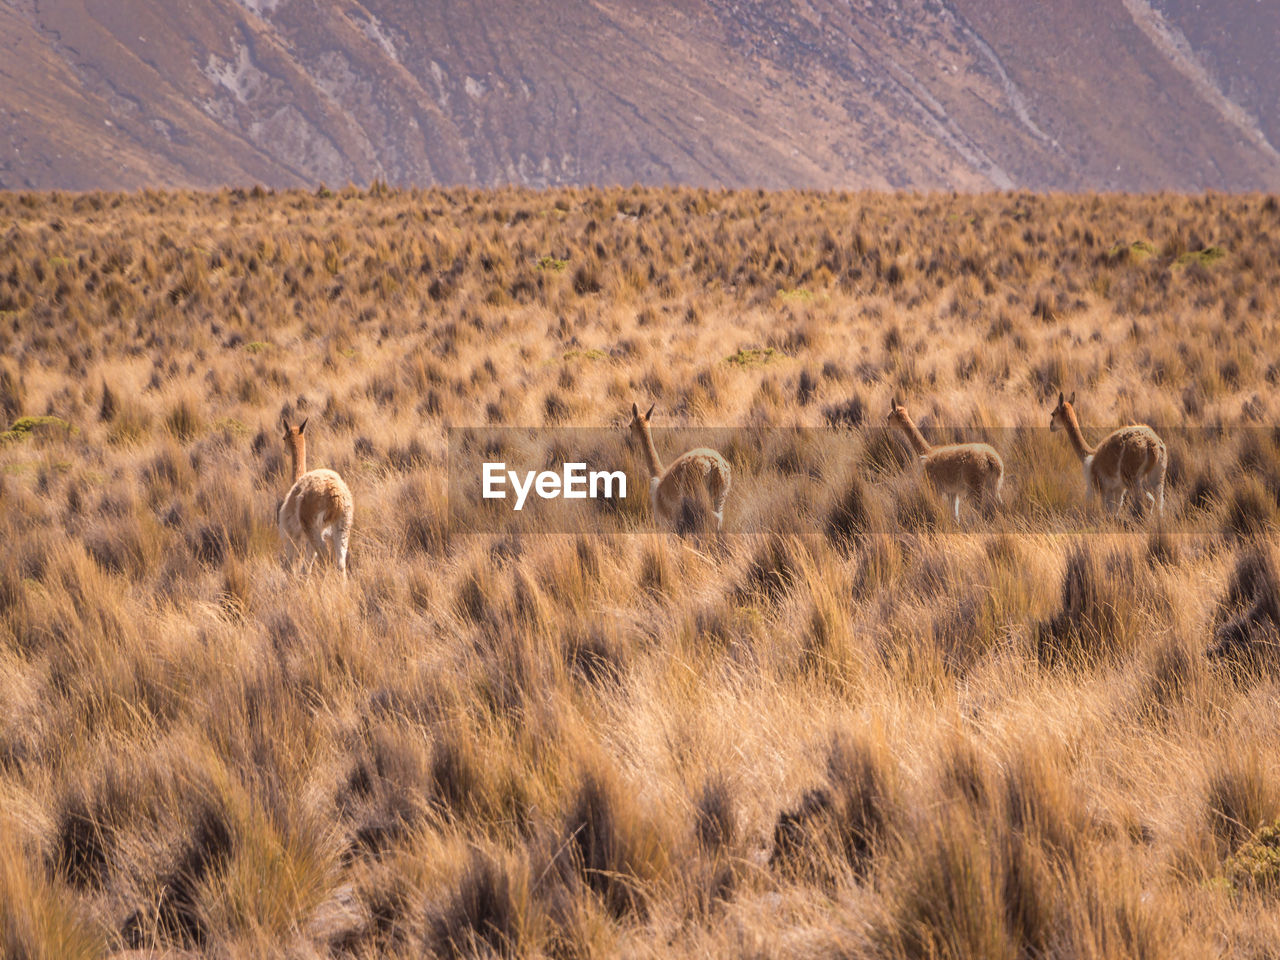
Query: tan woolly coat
{"points": [[315, 517], [957, 470], [965, 469], [1129, 461], [694, 474], [317, 500]]}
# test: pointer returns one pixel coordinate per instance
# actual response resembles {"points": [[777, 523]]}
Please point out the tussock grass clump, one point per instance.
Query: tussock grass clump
{"points": [[88, 822], [595, 655], [1242, 796], [1175, 678], [1023, 883], [840, 826], [36, 917], [612, 846], [773, 569], [183, 420], [951, 899], [13, 393], [1248, 618], [1097, 619], [490, 914], [716, 821], [851, 516], [175, 917]]}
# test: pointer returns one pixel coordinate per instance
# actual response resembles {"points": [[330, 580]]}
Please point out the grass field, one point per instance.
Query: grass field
{"points": [[891, 736]]}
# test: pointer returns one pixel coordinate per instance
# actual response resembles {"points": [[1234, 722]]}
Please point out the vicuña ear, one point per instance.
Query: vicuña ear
{"points": [[896, 402], [635, 410], [649, 412], [1072, 399], [284, 422], [1059, 398], [303, 426]]}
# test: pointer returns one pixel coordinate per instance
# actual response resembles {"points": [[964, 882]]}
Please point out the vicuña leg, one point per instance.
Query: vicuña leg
{"points": [[341, 541], [1154, 484], [308, 558], [315, 537]]}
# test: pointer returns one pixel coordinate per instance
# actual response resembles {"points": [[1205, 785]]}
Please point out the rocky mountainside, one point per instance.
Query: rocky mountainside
{"points": [[963, 94]]}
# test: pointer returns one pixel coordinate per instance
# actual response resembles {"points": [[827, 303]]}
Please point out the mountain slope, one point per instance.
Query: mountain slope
{"points": [[964, 94]]}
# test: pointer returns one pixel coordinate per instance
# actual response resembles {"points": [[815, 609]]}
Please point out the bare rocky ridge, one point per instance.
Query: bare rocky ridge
{"points": [[959, 94]]}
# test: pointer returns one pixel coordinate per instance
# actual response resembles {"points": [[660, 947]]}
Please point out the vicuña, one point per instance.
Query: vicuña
{"points": [[974, 470], [695, 473], [315, 517], [1130, 460]]}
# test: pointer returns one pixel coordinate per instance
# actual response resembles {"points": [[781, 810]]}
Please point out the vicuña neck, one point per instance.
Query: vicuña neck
{"points": [[1075, 436], [298, 452], [651, 453], [918, 443]]}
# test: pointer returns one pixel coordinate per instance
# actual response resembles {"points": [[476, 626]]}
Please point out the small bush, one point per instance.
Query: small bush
{"points": [[1255, 866], [25, 427]]}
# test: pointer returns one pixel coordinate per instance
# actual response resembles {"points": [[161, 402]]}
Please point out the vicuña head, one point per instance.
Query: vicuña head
{"points": [[973, 470], [315, 517], [1131, 460], [697, 473]]}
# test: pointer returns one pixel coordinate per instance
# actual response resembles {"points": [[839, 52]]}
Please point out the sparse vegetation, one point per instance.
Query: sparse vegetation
{"points": [[750, 356], [25, 427], [551, 263], [1255, 867], [1205, 257], [893, 738]]}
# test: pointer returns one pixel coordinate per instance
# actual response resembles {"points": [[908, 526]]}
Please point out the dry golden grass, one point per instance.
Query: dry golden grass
{"points": [[894, 737]]}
